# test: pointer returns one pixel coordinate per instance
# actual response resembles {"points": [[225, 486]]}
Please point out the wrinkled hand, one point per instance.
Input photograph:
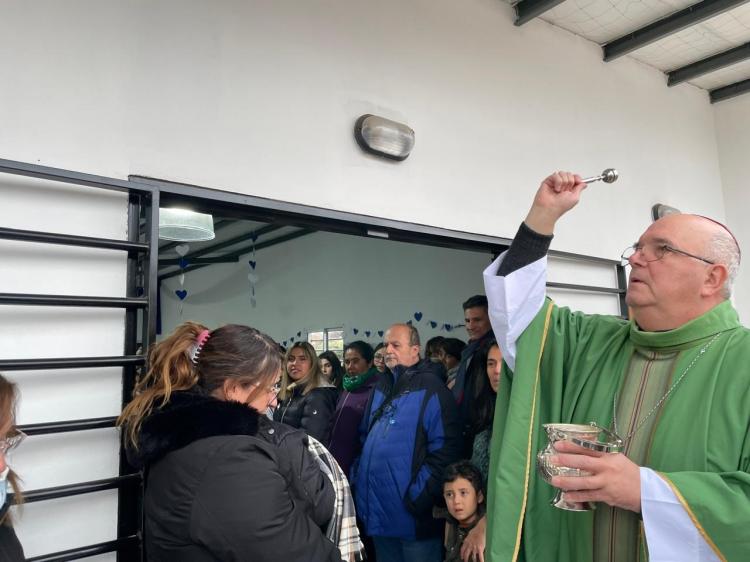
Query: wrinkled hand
{"points": [[557, 195], [614, 480], [472, 550]]}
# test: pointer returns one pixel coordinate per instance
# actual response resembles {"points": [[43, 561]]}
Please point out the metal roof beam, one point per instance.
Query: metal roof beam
{"points": [[709, 64], [529, 9], [234, 256], [730, 91], [666, 26]]}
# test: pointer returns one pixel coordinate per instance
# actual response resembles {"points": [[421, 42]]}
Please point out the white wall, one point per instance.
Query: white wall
{"points": [[260, 97], [326, 280], [38, 332], [733, 133]]}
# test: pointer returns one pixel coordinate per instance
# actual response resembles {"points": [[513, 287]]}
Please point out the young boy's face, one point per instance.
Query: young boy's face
{"points": [[462, 500]]}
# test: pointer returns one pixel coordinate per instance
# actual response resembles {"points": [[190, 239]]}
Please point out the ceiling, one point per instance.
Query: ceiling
{"points": [[234, 239], [706, 44]]}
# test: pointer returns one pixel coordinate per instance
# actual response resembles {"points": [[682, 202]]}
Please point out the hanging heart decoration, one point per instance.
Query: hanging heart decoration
{"points": [[418, 316], [367, 333], [184, 262], [355, 330], [253, 263], [433, 324], [380, 333], [182, 249], [181, 293]]}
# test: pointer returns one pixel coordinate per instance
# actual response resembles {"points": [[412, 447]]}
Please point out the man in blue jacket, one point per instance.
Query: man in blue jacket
{"points": [[410, 433]]}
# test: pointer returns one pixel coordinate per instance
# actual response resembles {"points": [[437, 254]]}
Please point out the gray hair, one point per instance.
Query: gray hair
{"points": [[723, 249]]}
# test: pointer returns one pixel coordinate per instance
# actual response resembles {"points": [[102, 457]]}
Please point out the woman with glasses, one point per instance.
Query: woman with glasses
{"points": [[379, 358], [10, 438], [223, 481], [307, 400]]}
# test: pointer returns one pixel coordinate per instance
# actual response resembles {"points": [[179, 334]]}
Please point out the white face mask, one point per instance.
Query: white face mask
{"points": [[4, 486]]}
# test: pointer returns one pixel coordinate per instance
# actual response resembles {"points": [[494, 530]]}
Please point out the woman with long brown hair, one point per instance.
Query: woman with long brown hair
{"points": [[307, 399], [223, 481], [10, 437]]}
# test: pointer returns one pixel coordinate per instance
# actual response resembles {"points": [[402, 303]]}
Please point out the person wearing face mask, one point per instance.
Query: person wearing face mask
{"points": [[306, 400], [223, 481], [331, 368], [10, 437]]}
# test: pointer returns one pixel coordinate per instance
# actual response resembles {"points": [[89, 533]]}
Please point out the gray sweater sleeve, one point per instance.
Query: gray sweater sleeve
{"points": [[527, 247]]}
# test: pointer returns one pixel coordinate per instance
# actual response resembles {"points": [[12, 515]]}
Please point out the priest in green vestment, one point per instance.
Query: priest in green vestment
{"points": [[673, 382]]}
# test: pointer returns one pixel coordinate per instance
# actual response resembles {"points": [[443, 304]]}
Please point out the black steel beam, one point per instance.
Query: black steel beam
{"points": [[243, 251], [79, 488], [47, 428], [68, 176], [70, 240], [248, 207], [69, 300], [198, 261], [731, 91], [585, 288], [117, 545], [709, 64], [70, 362], [529, 9], [666, 26]]}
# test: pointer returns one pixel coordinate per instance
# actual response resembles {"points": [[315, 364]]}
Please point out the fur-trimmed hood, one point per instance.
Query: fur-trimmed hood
{"points": [[188, 417]]}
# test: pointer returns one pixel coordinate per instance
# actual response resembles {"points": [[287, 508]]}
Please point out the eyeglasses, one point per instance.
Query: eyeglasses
{"points": [[379, 356], [654, 252], [10, 442]]}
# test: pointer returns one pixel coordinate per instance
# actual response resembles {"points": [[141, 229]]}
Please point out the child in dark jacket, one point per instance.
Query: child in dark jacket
{"points": [[464, 497]]}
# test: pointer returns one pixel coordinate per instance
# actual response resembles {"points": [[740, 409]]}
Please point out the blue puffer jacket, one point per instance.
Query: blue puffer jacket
{"points": [[410, 433]]}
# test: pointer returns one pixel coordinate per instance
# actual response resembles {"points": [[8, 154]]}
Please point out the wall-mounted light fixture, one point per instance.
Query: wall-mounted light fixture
{"points": [[660, 210], [384, 137], [183, 225]]}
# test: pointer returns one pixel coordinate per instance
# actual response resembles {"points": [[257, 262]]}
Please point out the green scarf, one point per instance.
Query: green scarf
{"points": [[353, 383]]}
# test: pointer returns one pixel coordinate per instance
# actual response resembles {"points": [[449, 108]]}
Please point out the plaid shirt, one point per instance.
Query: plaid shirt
{"points": [[342, 529]]}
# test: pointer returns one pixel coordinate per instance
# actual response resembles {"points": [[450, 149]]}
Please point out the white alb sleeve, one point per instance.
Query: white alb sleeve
{"points": [[513, 301], [671, 534]]}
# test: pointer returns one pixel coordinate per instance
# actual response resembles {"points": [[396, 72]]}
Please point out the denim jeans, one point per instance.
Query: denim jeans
{"points": [[389, 549]]}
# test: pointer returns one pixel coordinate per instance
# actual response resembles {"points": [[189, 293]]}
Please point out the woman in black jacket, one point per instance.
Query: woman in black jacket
{"points": [[10, 437], [306, 400], [223, 482]]}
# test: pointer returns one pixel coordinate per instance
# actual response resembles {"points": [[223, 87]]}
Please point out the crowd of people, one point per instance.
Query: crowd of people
{"points": [[410, 453]]}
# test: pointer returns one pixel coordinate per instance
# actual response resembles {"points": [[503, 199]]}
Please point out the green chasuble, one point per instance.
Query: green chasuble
{"points": [[569, 368]]}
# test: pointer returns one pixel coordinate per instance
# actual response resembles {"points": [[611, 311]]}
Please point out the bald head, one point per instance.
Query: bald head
{"points": [[401, 345], [716, 242], [685, 267]]}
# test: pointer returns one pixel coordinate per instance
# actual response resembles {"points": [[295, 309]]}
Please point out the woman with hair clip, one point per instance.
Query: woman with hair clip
{"points": [[10, 438], [223, 482], [306, 400]]}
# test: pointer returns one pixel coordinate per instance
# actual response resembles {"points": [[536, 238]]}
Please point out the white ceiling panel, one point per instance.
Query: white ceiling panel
{"points": [[724, 77], [713, 36], [602, 21]]}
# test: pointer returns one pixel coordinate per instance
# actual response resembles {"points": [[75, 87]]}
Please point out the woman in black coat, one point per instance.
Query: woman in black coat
{"points": [[306, 401], [223, 482], [10, 437]]}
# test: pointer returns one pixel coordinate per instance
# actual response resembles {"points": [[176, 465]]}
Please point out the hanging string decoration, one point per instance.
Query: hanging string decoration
{"points": [[252, 275], [182, 293]]}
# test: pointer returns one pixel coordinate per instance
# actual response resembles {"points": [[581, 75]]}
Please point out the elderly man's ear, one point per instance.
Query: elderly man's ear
{"points": [[716, 276]]}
